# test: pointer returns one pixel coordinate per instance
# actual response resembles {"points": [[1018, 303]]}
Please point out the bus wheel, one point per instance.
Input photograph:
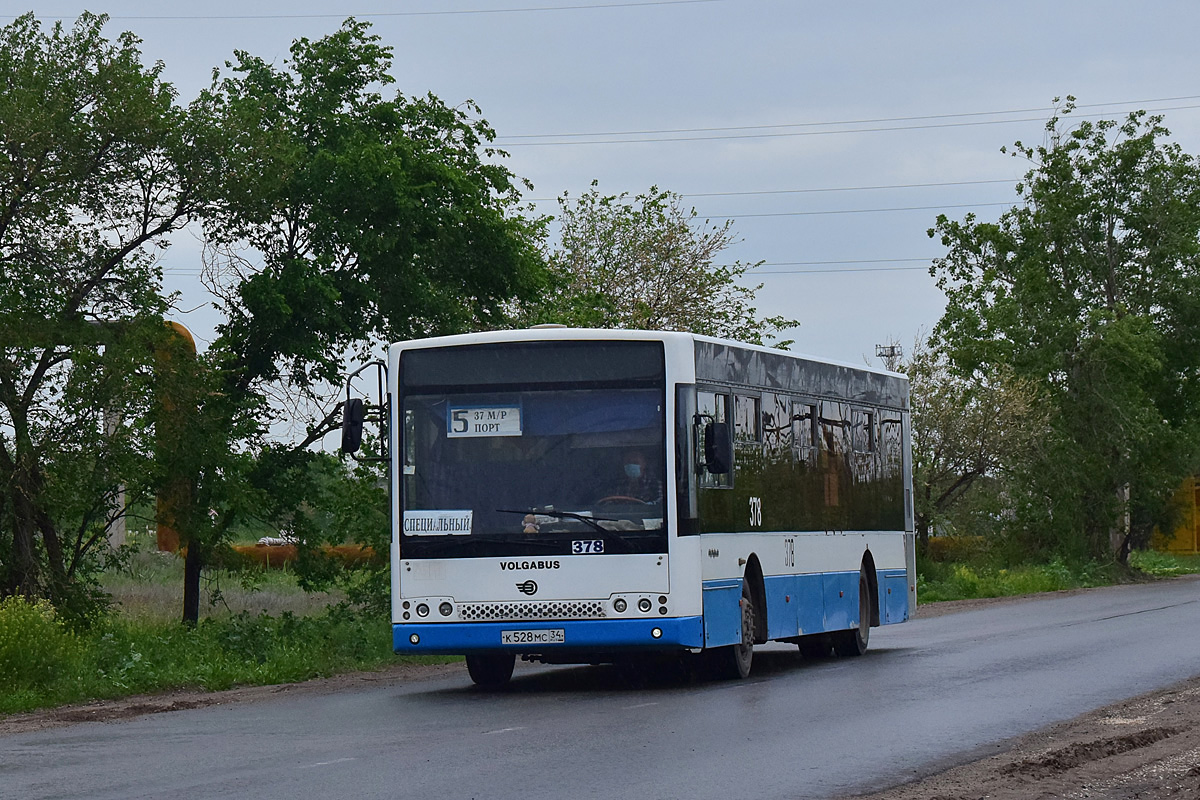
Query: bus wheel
{"points": [[734, 661], [854, 641], [491, 670]]}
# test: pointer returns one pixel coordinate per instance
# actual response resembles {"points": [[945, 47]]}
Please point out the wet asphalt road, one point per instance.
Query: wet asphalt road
{"points": [[929, 694]]}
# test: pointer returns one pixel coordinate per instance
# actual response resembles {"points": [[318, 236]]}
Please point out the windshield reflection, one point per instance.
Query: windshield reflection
{"points": [[529, 468]]}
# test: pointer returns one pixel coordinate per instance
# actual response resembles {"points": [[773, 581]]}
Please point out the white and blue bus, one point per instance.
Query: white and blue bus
{"points": [[586, 496]]}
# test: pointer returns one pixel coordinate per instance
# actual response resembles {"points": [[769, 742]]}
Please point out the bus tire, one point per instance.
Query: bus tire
{"points": [[491, 670], [854, 641], [734, 661]]}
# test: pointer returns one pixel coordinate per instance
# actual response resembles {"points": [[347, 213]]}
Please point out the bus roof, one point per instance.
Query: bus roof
{"points": [[567, 333]]}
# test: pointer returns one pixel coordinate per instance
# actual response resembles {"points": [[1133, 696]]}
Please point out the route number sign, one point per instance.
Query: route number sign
{"points": [[468, 421]]}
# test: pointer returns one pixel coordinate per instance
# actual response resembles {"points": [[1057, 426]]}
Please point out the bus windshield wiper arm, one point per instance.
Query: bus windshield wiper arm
{"points": [[591, 522]]}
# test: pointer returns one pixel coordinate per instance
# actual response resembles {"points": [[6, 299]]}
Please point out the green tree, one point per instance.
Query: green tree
{"points": [[648, 263], [1090, 288], [967, 432], [335, 218], [94, 172], [339, 218]]}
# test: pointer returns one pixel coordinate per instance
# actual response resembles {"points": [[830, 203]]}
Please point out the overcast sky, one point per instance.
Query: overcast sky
{"points": [[831, 133]]}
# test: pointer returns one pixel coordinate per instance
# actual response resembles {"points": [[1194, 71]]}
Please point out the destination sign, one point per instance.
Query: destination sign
{"points": [[466, 421], [437, 523]]}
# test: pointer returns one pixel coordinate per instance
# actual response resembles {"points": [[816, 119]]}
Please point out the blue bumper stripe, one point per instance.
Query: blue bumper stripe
{"points": [[456, 638]]}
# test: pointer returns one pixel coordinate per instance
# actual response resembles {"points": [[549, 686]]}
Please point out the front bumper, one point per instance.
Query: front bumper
{"points": [[607, 636]]}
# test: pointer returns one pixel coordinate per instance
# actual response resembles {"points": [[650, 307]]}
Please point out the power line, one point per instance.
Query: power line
{"points": [[760, 192], [852, 211], [849, 261], [868, 121], [836, 271], [505, 143], [849, 188], [372, 14]]}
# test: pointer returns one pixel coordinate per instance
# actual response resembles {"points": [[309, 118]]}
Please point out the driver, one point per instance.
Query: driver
{"points": [[636, 480]]}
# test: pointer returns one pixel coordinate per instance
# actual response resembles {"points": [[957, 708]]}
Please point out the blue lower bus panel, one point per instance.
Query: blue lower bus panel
{"points": [[893, 596], [455, 638], [722, 612]]}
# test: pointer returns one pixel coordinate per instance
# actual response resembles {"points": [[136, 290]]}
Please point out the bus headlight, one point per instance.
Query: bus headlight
{"points": [[656, 633], [422, 610], [445, 609], [644, 605], [415, 639], [619, 605]]}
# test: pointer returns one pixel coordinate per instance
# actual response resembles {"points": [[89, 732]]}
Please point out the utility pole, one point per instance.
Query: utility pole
{"points": [[891, 355]]}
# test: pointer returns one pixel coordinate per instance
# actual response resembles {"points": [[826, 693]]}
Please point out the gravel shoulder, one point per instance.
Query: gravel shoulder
{"points": [[1146, 748]]}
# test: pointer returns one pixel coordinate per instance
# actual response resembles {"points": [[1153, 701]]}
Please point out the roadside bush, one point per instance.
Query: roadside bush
{"points": [[36, 649], [938, 581], [956, 548], [1158, 564]]}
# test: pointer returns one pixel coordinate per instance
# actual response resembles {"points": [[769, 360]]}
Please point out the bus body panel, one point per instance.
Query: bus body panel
{"points": [[584, 637], [722, 612], [557, 577], [726, 554]]}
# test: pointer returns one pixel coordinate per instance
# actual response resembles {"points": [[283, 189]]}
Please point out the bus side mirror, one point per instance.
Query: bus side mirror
{"points": [[353, 414], [718, 456]]}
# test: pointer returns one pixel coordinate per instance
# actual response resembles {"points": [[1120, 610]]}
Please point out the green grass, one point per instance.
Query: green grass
{"points": [[124, 657], [257, 627], [939, 581], [1159, 564], [959, 581], [150, 588]]}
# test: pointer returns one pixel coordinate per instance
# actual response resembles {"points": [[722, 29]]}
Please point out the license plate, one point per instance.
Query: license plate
{"points": [[547, 636]]}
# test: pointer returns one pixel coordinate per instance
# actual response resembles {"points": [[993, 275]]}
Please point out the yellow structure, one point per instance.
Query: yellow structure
{"points": [[1186, 538]]}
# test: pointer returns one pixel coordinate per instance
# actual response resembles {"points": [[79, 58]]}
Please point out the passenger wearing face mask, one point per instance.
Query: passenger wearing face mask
{"points": [[637, 482]]}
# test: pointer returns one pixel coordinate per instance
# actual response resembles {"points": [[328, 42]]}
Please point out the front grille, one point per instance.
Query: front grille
{"points": [[565, 609]]}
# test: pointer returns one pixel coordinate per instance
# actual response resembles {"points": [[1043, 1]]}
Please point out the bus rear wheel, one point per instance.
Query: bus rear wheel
{"points": [[734, 661], [491, 670], [854, 641]]}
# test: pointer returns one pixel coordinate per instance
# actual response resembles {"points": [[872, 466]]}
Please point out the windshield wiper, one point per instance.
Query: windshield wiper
{"points": [[591, 522]]}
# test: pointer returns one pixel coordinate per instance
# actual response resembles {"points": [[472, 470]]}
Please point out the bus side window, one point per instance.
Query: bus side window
{"points": [[862, 436], [891, 443], [711, 407], [747, 430], [777, 427], [863, 431], [804, 432], [835, 450]]}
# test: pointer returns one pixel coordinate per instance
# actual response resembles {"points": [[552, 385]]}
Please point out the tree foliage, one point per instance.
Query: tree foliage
{"points": [[340, 218], [333, 217], [94, 172], [1090, 288], [967, 432], [648, 263], [366, 216]]}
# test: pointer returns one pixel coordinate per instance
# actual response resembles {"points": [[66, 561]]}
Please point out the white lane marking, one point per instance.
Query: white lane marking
{"points": [[327, 763], [641, 705], [504, 730]]}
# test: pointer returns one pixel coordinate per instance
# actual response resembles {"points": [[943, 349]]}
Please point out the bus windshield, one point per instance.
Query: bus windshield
{"points": [[541, 471]]}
